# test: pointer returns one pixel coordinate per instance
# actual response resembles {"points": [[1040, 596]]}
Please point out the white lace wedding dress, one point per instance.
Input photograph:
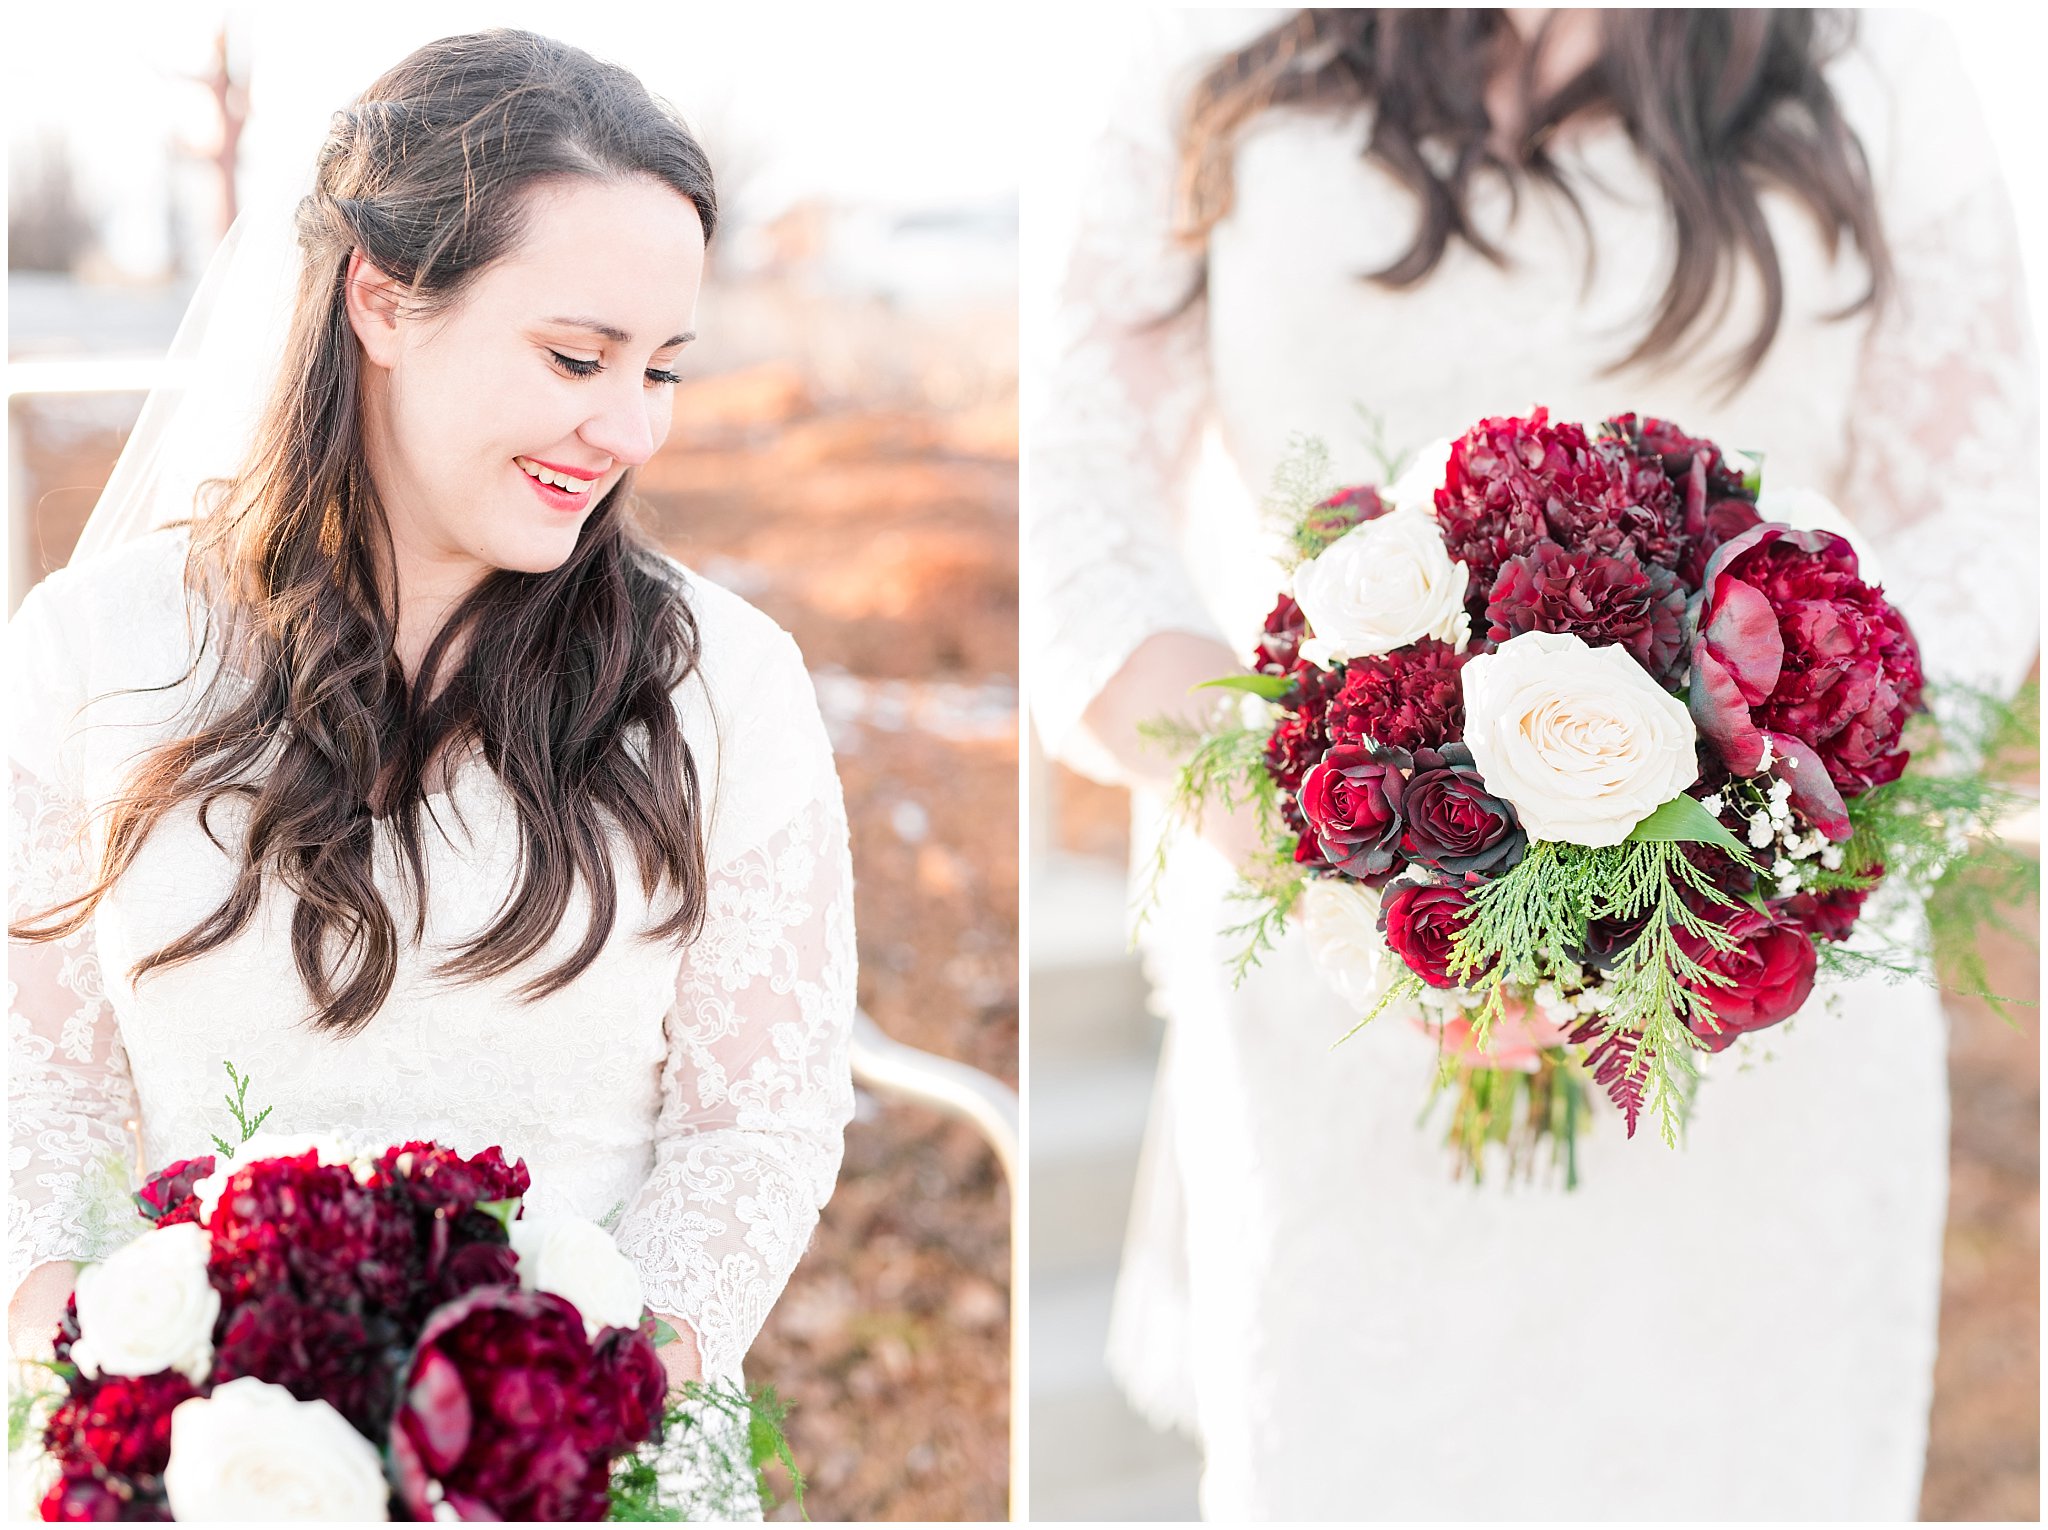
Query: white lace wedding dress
{"points": [[693, 1100], [1743, 1328]]}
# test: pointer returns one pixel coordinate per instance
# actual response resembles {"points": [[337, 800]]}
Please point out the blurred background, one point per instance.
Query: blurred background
{"points": [[844, 456], [1095, 1042]]}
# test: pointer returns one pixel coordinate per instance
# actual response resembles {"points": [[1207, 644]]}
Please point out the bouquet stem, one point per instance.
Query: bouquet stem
{"points": [[1516, 1113]]}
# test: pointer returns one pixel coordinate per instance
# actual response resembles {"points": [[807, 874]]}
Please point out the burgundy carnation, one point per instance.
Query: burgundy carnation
{"points": [[296, 1224], [1281, 644], [1410, 699], [1343, 510], [1512, 483], [1677, 451], [82, 1498], [1604, 600], [438, 1178], [1301, 736], [168, 1199], [505, 1409], [1772, 968], [314, 1352], [1452, 823], [1421, 923], [1351, 801], [1797, 654], [118, 1424]]}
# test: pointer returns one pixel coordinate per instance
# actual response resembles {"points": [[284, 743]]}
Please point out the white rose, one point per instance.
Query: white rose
{"points": [[1416, 488], [1341, 920], [1580, 740], [149, 1307], [254, 1452], [578, 1261], [1381, 586]]}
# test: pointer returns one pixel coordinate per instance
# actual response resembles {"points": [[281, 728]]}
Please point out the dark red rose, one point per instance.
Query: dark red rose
{"points": [[1301, 735], [1281, 645], [1352, 803], [1420, 923], [1607, 601], [1797, 656], [118, 1424], [168, 1199], [1772, 968], [626, 1361], [506, 1409], [1411, 698], [1452, 823], [1512, 483], [1343, 510], [1831, 915], [314, 1352], [1606, 939], [294, 1224]]}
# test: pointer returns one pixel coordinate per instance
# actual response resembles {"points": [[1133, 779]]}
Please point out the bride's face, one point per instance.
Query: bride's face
{"points": [[555, 361]]}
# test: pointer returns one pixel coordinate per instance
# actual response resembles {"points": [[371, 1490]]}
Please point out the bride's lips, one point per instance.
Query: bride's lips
{"points": [[569, 501]]}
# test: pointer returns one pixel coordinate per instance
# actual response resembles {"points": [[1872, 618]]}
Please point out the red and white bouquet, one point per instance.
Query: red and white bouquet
{"points": [[313, 1333], [1563, 747]]}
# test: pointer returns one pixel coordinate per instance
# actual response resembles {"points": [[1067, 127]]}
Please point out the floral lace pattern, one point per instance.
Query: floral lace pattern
{"points": [[694, 1099]]}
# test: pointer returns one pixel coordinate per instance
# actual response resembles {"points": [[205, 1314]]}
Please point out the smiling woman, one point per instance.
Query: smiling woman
{"points": [[625, 954]]}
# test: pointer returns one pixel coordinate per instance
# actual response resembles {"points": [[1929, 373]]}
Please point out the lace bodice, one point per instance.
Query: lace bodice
{"points": [[1161, 420], [693, 1100]]}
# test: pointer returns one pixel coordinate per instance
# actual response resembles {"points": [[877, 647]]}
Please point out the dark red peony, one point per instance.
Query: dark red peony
{"points": [[506, 1409], [1452, 823], [168, 1199], [1512, 483], [295, 1224], [1607, 601], [1351, 802], [1411, 698], [626, 1362], [1771, 971], [1797, 656], [1421, 923], [1280, 645]]}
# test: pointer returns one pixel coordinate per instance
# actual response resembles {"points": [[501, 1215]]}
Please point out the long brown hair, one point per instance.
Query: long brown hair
{"points": [[1717, 102], [564, 680]]}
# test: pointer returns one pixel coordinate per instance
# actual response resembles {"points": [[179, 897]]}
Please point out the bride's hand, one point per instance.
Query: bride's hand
{"points": [[37, 1307], [680, 1356]]}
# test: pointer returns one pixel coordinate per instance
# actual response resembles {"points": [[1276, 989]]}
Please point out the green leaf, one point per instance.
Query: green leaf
{"points": [[1271, 687], [504, 1210], [1683, 821], [663, 1333]]}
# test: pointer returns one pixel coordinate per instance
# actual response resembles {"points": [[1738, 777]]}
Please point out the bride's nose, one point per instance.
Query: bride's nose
{"points": [[626, 428]]}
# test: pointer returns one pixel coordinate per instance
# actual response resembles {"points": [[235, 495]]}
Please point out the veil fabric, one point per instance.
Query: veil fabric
{"points": [[200, 420]]}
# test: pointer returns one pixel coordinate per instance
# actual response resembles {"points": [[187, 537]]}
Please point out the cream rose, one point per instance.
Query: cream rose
{"points": [[149, 1307], [578, 1261], [1341, 920], [1416, 487], [1381, 586], [1580, 740], [252, 1451]]}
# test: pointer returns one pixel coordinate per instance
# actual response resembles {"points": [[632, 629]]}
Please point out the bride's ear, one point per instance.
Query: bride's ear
{"points": [[375, 309]]}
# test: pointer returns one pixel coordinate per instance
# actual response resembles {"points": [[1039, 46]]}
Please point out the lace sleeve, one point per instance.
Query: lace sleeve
{"points": [[1945, 425], [757, 1089], [1121, 398], [70, 1100]]}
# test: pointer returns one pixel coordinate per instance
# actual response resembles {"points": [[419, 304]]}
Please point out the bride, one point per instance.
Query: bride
{"points": [[409, 777], [1442, 216]]}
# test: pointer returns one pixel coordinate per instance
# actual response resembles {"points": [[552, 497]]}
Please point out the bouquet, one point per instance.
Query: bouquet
{"points": [[312, 1333], [1561, 746]]}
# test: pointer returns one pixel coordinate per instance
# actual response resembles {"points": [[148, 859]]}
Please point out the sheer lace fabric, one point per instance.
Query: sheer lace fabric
{"points": [[694, 1100], [1304, 1285]]}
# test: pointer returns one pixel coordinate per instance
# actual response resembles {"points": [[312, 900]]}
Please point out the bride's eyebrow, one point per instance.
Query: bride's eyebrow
{"points": [[618, 336]]}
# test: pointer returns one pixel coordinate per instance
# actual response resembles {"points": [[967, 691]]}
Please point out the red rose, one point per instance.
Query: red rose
{"points": [[1797, 654], [1452, 823], [168, 1199], [505, 1408], [1411, 698], [1281, 644], [1771, 971], [1604, 600], [1420, 923], [1352, 803], [1343, 510]]}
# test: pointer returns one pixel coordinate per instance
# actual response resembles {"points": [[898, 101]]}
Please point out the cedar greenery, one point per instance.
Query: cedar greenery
{"points": [[694, 1417]]}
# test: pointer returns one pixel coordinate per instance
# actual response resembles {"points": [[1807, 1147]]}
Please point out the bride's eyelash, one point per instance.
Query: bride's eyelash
{"points": [[577, 366]]}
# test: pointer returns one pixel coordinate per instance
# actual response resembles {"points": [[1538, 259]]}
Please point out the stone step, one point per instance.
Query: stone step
{"points": [[1087, 992], [1087, 1121]]}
